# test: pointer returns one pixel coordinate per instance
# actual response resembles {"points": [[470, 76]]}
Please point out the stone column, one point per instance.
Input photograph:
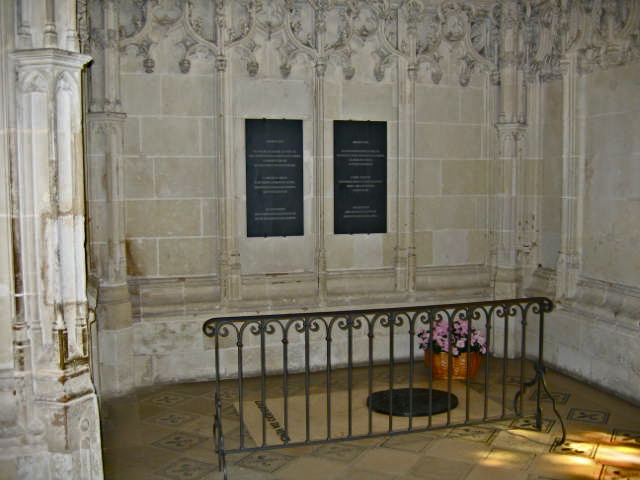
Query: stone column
{"points": [[13, 394], [511, 137], [49, 244], [230, 273], [406, 249], [573, 161], [107, 234], [408, 65], [508, 171], [319, 193]]}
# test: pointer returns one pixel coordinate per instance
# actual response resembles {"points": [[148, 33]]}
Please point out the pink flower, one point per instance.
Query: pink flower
{"points": [[457, 335]]}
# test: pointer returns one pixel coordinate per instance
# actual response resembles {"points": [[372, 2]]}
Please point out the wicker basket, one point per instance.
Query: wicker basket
{"points": [[440, 367]]}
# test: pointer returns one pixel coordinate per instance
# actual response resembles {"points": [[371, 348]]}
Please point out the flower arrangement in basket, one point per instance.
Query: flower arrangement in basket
{"points": [[445, 341]]}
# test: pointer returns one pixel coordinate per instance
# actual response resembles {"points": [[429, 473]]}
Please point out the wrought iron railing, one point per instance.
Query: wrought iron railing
{"points": [[311, 378]]}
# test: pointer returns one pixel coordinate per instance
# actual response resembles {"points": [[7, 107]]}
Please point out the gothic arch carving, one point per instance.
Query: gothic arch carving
{"points": [[33, 81], [321, 31], [601, 33]]}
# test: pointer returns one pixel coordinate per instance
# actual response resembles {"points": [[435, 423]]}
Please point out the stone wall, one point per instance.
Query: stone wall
{"points": [[593, 332], [551, 185], [472, 211], [471, 214], [187, 253], [612, 179]]}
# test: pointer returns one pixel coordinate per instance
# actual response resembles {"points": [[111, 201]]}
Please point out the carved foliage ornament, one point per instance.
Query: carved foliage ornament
{"points": [[601, 32], [320, 30]]}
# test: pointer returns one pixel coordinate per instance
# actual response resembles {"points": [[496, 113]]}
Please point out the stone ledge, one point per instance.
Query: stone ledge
{"points": [[153, 298], [613, 303], [542, 283]]}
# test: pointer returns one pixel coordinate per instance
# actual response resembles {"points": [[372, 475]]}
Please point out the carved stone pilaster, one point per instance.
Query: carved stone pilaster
{"points": [[509, 171], [108, 253], [508, 209], [104, 72], [512, 92], [508, 203], [49, 221], [230, 274], [105, 138], [405, 258], [573, 165], [50, 31], [319, 174]]}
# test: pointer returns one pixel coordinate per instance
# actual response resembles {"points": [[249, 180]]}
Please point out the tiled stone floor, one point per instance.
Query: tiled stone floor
{"points": [[164, 433]]}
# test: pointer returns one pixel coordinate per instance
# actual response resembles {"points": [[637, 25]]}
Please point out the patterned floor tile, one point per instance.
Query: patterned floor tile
{"points": [[499, 457], [529, 423], [265, 461], [199, 425], [435, 468], [613, 473], [626, 436], [339, 451], [170, 419], [186, 469], [476, 434], [575, 447], [589, 416], [180, 441], [198, 388], [167, 427], [561, 398], [411, 443], [167, 399]]}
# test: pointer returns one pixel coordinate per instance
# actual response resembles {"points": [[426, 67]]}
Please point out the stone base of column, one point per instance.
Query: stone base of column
{"points": [[114, 373], [506, 283], [58, 437], [73, 449]]}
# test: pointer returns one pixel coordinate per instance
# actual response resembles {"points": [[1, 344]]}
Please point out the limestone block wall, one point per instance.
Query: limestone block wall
{"points": [[169, 168], [471, 211], [452, 170], [612, 182], [595, 329], [187, 253], [273, 268]]}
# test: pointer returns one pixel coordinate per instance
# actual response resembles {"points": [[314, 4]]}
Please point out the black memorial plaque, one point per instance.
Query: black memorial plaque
{"points": [[360, 177], [274, 177]]}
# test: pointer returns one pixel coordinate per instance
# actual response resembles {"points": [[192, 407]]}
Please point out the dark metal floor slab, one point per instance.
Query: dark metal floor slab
{"points": [[440, 402]]}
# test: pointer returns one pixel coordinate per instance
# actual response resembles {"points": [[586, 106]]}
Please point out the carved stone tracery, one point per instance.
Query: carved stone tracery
{"points": [[318, 29], [603, 32]]}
